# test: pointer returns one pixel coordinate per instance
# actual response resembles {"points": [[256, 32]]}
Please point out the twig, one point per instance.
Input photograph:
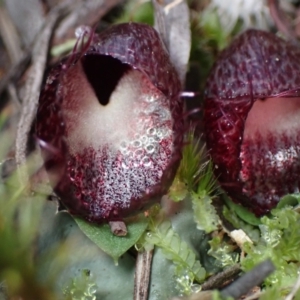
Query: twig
{"points": [[219, 279], [214, 282], [295, 289], [251, 279], [169, 6], [88, 13], [254, 296], [3, 292], [33, 85], [12, 90], [280, 21], [16, 71], [12, 44], [10, 36], [142, 275]]}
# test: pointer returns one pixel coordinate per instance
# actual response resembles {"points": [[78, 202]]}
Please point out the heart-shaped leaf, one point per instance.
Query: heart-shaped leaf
{"points": [[115, 246]]}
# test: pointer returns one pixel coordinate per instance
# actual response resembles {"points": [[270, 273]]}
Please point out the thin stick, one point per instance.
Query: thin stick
{"points": [[11, 41], [280, 20], [255, 296], [294, 291], [142, 275], [10, 36], [16, 71], [218, 280], [33, 85], [171, 5], [12, 90], [88, 13], [3, 291]]}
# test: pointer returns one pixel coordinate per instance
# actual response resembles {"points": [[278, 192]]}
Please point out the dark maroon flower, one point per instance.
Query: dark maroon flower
{"points": [[252, 114], [110, 124]]}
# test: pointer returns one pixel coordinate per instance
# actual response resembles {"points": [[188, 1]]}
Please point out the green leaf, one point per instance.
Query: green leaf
{"points": [[178, 191], [136, 11], [205, 214], [20, 221], [271, 293], [115, 246], [188, 267], [252, 231], [207, 183], [289, 200], [81, 288], [242, 212], [190, 167], [213, 31], [223, 251], [280, 242]]}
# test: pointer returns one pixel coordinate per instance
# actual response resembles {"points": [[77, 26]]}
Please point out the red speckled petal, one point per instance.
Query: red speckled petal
{"points": [[111, 159], [257, 65]]}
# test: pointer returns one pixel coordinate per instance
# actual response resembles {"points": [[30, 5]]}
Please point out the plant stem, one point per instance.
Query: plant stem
{"points": [[142, 275], [33, 85], [218, 280]]}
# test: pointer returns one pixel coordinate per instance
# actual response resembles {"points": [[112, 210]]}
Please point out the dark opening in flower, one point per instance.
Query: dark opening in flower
{"points": [[104, 69]]}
